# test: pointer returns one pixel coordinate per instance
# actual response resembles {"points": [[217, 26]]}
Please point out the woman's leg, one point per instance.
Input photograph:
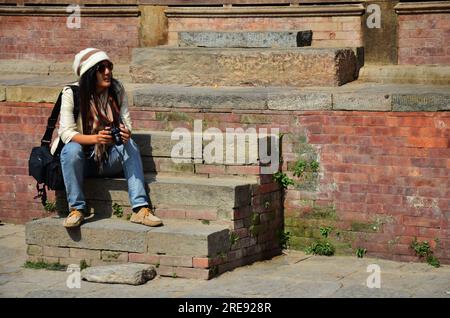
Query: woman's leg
{"points": [[127, 157], [73, 166]]}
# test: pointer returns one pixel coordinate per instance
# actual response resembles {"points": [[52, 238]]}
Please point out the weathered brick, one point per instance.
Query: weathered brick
{"points": [[178, 261], [143, 258], [55, 251], [84, 253], [112, 256], [34, 250], [184, 272]]}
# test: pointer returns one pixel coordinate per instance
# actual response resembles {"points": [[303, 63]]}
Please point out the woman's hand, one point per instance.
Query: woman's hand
{"points": [[125, 133], [104, 137]]}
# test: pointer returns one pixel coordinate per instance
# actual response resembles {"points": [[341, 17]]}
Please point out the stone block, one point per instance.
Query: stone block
{"points": [[430, 102], [197, 239], [263, 39], [34, 250], [362, 101], [251, 67], [102, 234], [297, 100], [132, 274]]}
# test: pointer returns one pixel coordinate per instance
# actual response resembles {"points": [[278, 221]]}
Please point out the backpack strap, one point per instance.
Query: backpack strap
{"points": [[51, 122], [76, 112]]}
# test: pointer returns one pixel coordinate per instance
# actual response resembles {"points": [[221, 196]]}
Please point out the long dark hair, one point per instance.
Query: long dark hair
{"points": [[88, 86]]}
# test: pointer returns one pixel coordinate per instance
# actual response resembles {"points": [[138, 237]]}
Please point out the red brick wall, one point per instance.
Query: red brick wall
{"points": [[327, 31], [386, 175], [424, 39], [48, 38], [21, 128]]}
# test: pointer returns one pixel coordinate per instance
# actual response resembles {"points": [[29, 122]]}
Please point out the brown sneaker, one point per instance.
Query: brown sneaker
{"points": [[145, 216], [74, 219]]}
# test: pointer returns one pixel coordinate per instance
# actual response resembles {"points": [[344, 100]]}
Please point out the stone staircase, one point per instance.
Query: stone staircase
{"points": [[217, 215]]}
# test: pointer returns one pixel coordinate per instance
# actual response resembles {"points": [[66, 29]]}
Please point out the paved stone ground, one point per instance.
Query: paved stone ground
{"points": [[293, 274]]}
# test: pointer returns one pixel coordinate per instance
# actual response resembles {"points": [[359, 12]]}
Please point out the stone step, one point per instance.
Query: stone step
{"points": [[180, 248], [244, 67], [176, 237], [185, 151], [406, 74], [358, 95], [189, 197], [261, 39]]}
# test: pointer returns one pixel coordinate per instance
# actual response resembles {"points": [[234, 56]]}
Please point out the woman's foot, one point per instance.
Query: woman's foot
{"points": [[74, 219], [145, 216]]}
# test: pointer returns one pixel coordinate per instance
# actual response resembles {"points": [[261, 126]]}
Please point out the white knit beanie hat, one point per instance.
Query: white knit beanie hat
{"points": [[87, 58]]}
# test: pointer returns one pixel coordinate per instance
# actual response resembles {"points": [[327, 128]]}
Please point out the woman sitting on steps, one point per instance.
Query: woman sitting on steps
{"points": [[89, 148]]}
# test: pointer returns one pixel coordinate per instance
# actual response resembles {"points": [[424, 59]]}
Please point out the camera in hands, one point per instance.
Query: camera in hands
{"points": [[115, 133]]}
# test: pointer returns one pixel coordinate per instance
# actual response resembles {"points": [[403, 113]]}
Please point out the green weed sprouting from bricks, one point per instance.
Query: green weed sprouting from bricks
{"points": [[117, 210], [322, 246], [205, 222], [302, 166], [283, 180], [234, 238], [284, 239], [45, 265], [423, 250], [360, 252], [83, 264], [325, 231], [50, 206]]}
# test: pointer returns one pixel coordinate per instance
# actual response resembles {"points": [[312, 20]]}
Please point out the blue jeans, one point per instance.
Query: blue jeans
{"points": [[76, 166]]}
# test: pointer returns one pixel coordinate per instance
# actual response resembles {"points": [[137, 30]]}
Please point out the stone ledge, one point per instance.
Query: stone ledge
{"points": [[364, 96], [274, 11], [423, 7], [112, 11]]}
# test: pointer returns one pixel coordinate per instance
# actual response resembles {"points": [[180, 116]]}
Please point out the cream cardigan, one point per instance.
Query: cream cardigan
{"points": [[67, 126]]}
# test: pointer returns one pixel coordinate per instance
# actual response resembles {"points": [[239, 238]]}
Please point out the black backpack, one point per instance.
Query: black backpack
{"points": [[42, 165]]}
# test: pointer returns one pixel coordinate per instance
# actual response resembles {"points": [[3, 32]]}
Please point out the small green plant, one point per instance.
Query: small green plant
{"points": [[423, 250], [117, 210], [206, 222], [360, 252], [284, 239], [50, 206], [128, 216], [282, 179], [302, 165], [214, 270], [233, 238], [321, 247], [325, 231], [314, 165], [83, 264], [45, 265], [174, 275]]}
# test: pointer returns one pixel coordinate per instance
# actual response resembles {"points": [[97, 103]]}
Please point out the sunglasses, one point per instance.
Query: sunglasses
{"points": [[102, 67]]}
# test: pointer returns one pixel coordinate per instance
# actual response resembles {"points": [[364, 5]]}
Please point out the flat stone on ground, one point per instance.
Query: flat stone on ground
{"points": [[131, 274]]}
